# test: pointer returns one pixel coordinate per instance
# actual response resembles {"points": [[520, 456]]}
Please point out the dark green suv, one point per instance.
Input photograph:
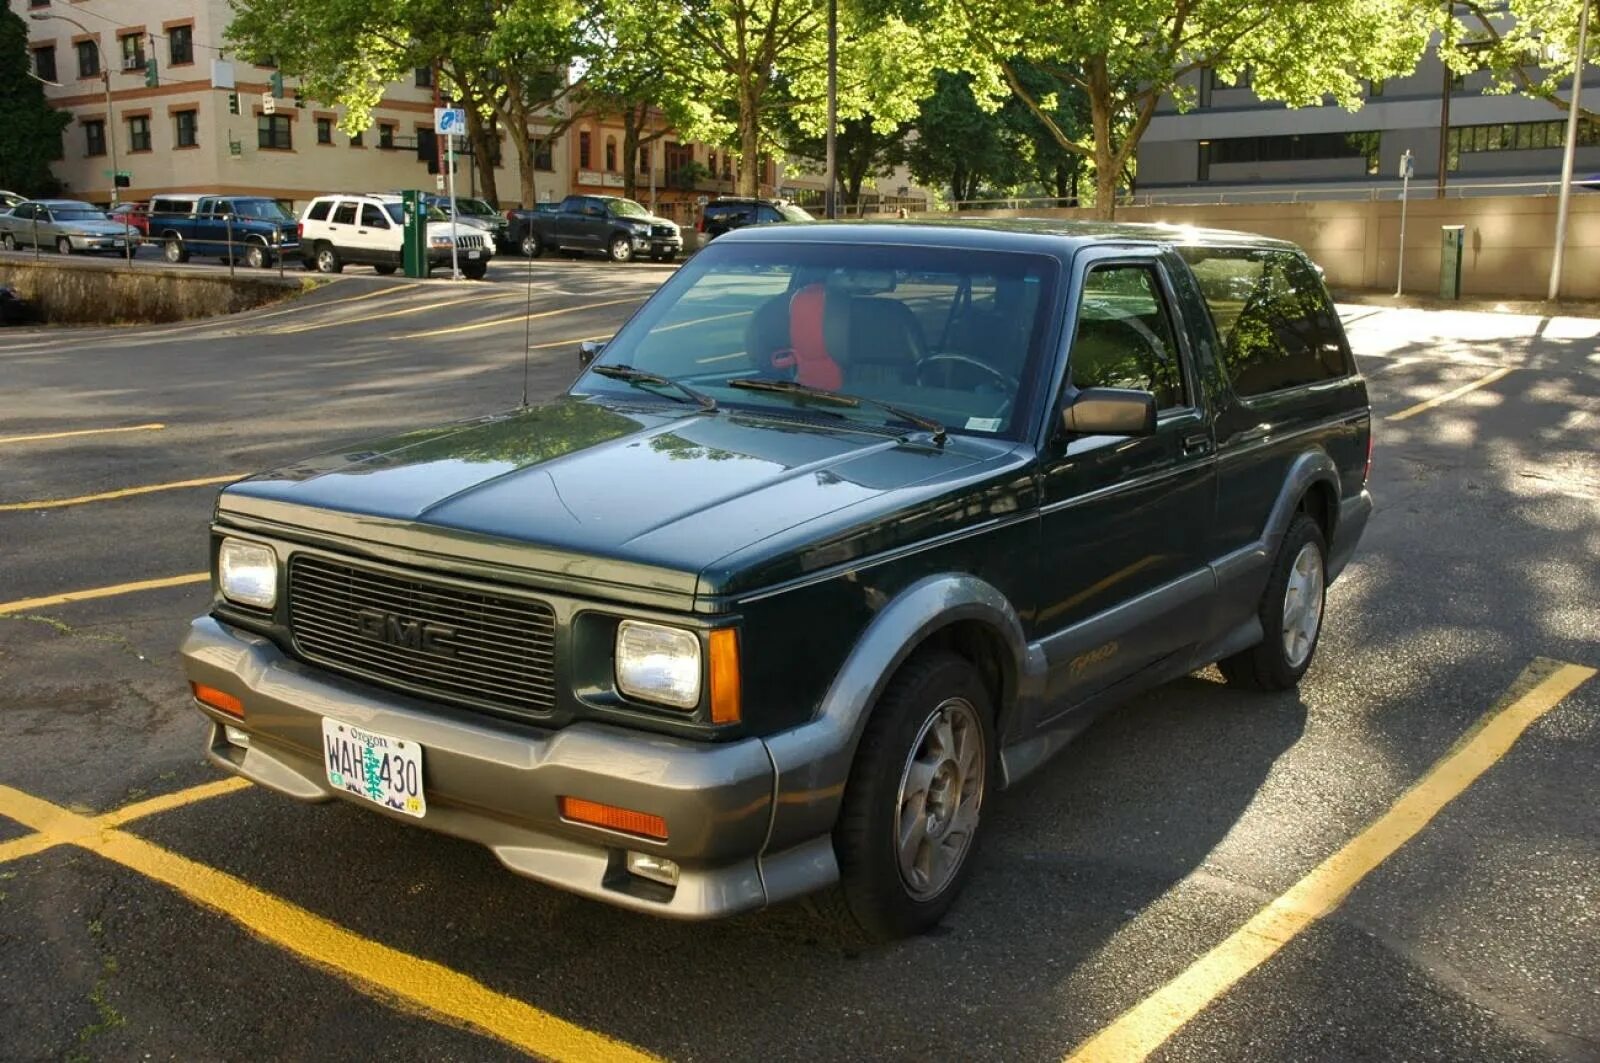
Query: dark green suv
{"points": [[849, 527]]}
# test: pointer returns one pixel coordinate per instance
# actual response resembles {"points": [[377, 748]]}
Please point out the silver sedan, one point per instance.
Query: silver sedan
{"points": [[68, 225]]}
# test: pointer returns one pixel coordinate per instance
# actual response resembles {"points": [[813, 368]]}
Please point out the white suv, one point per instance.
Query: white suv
{"points": [[368, 230]]}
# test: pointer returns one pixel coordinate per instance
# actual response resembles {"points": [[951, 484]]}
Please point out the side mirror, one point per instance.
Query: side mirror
{"points": [[1110, 412], [589, 350]]}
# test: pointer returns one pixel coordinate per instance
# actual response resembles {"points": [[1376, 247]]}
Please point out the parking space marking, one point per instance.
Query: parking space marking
{"points": [[1147, 1025], [290, 330], [153, 806], [125, 492], [378, 970], [25, 604], [248, 318], [516, 319], [82, 432], [1449, 396], [55, 830]]}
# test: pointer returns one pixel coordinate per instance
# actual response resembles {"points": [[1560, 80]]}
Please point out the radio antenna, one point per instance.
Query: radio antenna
{"points": [[527, 329]]}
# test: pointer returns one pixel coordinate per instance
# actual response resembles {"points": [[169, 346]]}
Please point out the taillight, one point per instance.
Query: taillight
{"points": [[299, 230], [700, 226]]}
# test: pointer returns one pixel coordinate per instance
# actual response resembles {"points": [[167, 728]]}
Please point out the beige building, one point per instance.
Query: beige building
{"points": [[182, 135]]}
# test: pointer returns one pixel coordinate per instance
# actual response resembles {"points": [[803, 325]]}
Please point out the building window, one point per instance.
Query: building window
{"points": [[187, 126], [611, 154], [88, 59], [273, 132], [270, 62], [358, 140], [139, 134], [180, 45], [132, 51], [644, 158], [1515, 136], [543, 156], [94, 138], [1375, 88], [324, 130], [44, 63], [38, 3], [583, 150], [1208, 81], [386, 137], [424, 77], [1295, 147]]}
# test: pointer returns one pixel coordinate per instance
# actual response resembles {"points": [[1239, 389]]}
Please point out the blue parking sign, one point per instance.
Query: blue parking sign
{"points": [[451, 121]]}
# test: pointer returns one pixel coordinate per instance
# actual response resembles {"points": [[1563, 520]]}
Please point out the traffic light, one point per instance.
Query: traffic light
{"points": [[277, 84], [299, 99], [233, 103], [152, 76]]}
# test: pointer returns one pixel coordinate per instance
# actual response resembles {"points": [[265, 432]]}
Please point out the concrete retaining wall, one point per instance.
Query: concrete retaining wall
{"points": [[89, 292]]}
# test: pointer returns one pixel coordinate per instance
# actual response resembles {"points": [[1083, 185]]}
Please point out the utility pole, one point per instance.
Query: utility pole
{"points": [[830, 198], [1444, 104], [111, 122], [1567, 155], [1406, 169]]}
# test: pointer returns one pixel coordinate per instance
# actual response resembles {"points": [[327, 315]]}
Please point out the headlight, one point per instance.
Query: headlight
{"points": [[660, 664], [438, 241], [247, 573], [641, 227]]}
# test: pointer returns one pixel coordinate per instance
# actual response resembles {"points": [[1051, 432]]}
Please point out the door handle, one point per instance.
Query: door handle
{"points": [[361, 232], [1197, 443]]}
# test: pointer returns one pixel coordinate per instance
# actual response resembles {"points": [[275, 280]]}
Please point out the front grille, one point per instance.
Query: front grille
{"points": [[662, 230], [469, 647], [469, 241]]}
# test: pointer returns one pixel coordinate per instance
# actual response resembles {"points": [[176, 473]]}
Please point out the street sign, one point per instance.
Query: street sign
{"points": [[1408, 168], [118, 173], [438, 182], [450, 121], [268, 104], [221, 74]]}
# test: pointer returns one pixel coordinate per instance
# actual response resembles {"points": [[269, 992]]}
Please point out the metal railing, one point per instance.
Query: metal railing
{"points": [[1247, 196]]}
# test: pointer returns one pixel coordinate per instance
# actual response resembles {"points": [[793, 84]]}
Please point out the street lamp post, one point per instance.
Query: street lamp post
{"points": [[831, 165], [111, 124], [1573, 110]]}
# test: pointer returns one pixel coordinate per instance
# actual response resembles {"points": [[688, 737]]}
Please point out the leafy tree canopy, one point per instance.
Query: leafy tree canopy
{"points": [[1529, 46], [30, 133]]}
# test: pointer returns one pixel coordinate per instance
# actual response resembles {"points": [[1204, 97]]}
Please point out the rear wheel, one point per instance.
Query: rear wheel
{"points": [[8, 241], [910, 817], [1290, 611], [63, 245], [384, 271], [328, 260], [621, 249], [474, 271], [174, 251], [532, 246]]}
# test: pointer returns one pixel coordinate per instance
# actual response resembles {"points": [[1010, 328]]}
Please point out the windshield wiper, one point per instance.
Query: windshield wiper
{"points": [[639, 376], [837, 398]]}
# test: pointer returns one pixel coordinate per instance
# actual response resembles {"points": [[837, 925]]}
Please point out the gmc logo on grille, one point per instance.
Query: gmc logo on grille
{"points": [[410, 634]]}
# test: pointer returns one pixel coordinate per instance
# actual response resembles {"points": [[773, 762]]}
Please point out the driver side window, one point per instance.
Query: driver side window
{"points": [[1125, 337]]}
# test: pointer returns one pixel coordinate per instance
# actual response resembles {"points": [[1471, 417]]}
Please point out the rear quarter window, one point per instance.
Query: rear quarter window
{"points": [[1277, 326]]}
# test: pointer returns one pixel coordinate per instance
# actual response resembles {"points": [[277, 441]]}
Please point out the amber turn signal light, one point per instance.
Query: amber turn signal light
{"points": [[725, 676], [611, 817], [217, 699]]}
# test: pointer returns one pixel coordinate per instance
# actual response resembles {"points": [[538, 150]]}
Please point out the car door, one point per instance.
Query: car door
{"points": [[377, 236], [1125, 582], [342, 231], [20, 223], [208, 233], [44, 225]]}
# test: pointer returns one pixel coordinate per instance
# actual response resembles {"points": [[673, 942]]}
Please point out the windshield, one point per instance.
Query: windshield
{"points": [[264, 209], [948, 334], [792, 213], [626, 208], [476, 207]]}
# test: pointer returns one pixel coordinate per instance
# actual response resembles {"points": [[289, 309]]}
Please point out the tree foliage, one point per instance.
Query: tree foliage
{"points": [[1125, 55], [1528, 46], [30, 133]]}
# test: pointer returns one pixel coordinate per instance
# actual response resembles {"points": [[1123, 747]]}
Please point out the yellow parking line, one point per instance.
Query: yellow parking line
{"points": [[27, 845], [82, 432], [293, 309], [125, 492], [25, 604], [56, 828], [517, 318], [376, 969], [1440, 400], [1145, 1027], [152, 806], [420, 308]]}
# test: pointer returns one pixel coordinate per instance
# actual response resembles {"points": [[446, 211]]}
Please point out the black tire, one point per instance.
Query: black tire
{"points": [[328, 260], [875, 892], [1269, 665], [8, 241], [668, 256], [385, 271], [174, 251], [475, 271], [620, 249], [63, 245], [255, 255], [532, 246]]}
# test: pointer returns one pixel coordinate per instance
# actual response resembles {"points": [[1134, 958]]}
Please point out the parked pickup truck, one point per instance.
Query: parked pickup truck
{"points": [[776, 597], [253, 229], [618, 228]]}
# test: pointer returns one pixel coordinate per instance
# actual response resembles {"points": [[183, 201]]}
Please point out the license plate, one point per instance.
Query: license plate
{"points": [[116, 243], [472, 254], [381, 768]]}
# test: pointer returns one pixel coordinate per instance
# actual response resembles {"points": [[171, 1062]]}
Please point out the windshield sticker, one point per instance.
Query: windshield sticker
{"points": [[983, 424]]}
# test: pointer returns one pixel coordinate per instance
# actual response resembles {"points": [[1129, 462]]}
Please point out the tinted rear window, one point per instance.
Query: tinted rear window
{"points": [[1277, 325]]}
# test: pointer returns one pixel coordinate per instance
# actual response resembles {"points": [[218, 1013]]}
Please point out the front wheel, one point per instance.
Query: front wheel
{"points": [[532, 246], [1290, 611], [385, 271], [475, 271], [63, 245], [910, 817], [8, 241], [621, 249]]}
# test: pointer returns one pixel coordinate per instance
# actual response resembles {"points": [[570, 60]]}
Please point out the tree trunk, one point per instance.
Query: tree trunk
{"points": [[483, 146], [516, 106], [1106, 164], [749, 141], [632, 116]]}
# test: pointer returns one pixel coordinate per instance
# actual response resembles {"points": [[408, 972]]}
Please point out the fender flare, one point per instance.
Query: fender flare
{"points": [[811, 763], [1310, 468]]}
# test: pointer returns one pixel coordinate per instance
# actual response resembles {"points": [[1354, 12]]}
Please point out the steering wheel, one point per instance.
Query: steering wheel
{"points": [[1010, 384]]}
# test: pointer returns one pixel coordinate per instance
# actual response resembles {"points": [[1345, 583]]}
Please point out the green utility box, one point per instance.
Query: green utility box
{"points": [[414, 252], [1454, 237]]}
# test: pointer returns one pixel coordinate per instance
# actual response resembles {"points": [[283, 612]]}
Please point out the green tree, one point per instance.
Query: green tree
{"points": [[631, 73], [959, 145], [1529, 46], [1125, 55], [30, 134], [863, 151]]}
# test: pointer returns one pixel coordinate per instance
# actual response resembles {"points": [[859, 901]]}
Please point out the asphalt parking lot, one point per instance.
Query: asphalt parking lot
{"points": [[1401, 860]]}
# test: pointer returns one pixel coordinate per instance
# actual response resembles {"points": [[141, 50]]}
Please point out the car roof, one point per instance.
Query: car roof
{"points": [[65, 203], [1043, 234]]}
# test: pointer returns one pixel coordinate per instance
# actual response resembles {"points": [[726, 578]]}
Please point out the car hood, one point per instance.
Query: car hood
{"points": [[656, 497], [463, 227], [92, 228]]}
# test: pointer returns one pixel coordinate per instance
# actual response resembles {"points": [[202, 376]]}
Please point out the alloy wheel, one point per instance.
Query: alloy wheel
{"points": [[1302, 605], [941, 791]]}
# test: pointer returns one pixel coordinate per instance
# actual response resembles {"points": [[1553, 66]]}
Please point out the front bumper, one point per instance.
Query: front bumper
{"points": [[440, 256], [658, 245], [497, 783], [105, 243]]}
